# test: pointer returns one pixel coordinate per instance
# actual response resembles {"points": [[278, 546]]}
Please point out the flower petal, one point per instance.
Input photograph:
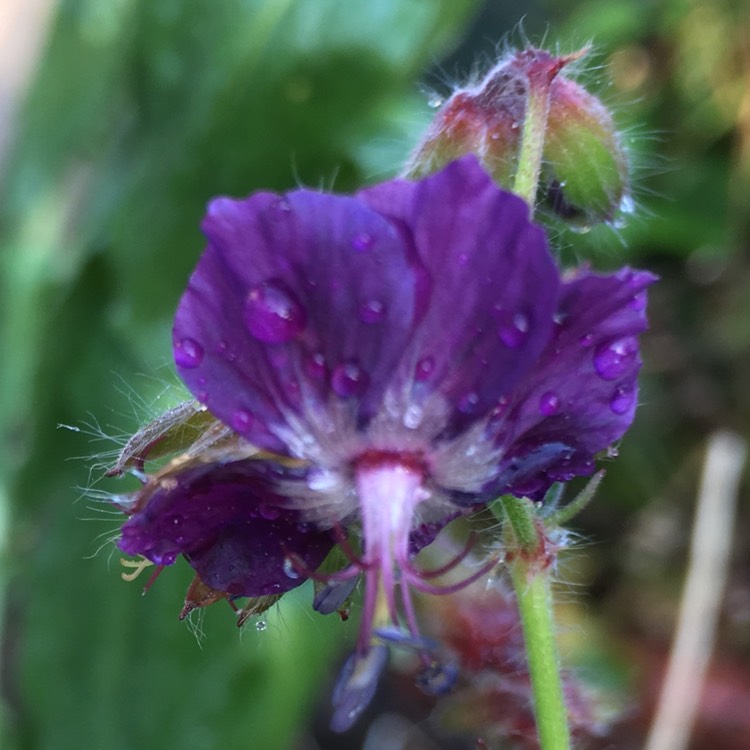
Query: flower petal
{"points": [[230, 525], [493, 284], [296, 300], [582, 395]]}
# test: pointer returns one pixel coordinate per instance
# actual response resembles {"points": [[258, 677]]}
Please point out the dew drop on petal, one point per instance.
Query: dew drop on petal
{"points": [[586, 340], [273, 314], [315, 366], [349, 379], [289, 570], [372, 311], [241, 420], [269, 512], [500, 408], [424, 369], [549, 403], [362, 242], [614, 358], [622, 400], [188, 353], [513, 328], [468, 403]]}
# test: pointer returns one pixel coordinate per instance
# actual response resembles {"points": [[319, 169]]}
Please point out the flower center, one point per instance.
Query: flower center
{"points": [[389, 487]]}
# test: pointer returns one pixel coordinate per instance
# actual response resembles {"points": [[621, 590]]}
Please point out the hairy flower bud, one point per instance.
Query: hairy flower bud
{"points": [[585, 172]]}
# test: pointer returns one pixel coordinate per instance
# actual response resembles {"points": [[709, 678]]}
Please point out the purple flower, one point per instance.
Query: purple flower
{"points": [[411, 353]]}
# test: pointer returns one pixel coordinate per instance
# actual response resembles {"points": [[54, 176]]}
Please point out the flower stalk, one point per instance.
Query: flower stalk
{"points": [[529, 556], [530, 561]]}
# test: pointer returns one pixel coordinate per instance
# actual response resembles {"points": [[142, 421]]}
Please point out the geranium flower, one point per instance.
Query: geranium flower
{"points": [[407, 355]]}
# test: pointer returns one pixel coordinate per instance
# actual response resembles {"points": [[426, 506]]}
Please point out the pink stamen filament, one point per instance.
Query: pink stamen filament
{"points": [[413, 576], [452, 563]]}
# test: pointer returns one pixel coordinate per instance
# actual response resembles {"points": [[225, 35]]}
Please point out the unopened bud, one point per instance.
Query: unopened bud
{"points": [[585, 173]]}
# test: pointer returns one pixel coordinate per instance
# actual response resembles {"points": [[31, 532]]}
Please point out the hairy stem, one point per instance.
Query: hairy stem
{"points": [[530, 566]]}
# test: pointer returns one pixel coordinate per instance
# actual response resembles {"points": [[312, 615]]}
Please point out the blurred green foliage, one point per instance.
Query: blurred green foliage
{"points": [[140, 111]]}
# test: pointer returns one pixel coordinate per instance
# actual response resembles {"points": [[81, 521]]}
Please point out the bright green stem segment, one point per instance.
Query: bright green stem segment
{"points": [[532, 583], [532, 142]]}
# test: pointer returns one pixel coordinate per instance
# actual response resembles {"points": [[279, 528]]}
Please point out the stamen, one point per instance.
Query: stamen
{"points": [[347, 549], [427, 588], [154, 576], [452, 563], [138, 567]]}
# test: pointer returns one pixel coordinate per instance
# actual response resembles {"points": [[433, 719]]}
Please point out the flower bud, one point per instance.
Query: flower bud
{"points": [[585, 173]]}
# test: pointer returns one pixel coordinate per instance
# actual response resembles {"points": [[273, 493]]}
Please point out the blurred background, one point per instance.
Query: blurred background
{"points": [[119, 119]]}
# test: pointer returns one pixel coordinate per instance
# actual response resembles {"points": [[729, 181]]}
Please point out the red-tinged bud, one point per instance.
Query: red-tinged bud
{"points": [[586, 166], [584, 175]]}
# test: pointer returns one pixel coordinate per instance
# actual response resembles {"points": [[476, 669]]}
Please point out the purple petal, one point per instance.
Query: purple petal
{"points": [[494, 286], [230, 525], [297, 299], [581, 397]]}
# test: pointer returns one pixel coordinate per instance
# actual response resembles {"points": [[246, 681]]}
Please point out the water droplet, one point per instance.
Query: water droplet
{"points": [[349, 379], [549, 403], [261, 625], [514, 126], [614, 358], [435, 101], [467, 404], [424, 369], [500, 409], [188, 353], [372, 311], [289, 570], [242, 421], [586, 340], [622, 400], [168, 558], [362, 242], [269, 512], [273, 314], [413, 416], [627, 204], [513, 328], [315, 366]]}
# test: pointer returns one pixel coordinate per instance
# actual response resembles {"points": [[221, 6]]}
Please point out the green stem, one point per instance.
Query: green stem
{"points": [[534, 595], [530, 571], [532, 141]]}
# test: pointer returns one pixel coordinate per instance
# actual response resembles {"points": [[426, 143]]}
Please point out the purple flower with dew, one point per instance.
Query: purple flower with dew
{"points": [[409, 354]]}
